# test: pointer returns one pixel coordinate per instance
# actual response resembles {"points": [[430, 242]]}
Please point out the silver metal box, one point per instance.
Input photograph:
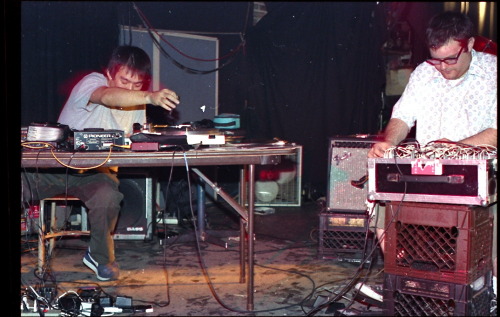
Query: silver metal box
{"points": [[450, 181]]}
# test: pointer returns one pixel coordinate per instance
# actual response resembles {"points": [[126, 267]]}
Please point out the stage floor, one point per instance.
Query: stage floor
{"points": [[183, 276]]}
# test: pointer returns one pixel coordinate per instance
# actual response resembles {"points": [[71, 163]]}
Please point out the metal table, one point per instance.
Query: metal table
{"points": [[246, 155]]}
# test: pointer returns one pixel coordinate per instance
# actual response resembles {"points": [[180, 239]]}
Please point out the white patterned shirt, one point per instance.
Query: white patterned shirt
{"points": [[452, 109], [78, 114]]}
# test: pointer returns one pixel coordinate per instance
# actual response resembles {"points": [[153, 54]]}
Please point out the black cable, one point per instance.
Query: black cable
{"points": [[165, 236], [348, 286], [175, 62], [205, 270], [367, 257], [129, 29]]}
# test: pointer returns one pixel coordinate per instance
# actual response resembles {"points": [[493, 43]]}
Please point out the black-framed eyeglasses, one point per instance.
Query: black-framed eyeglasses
{"points": [[448, 61]]}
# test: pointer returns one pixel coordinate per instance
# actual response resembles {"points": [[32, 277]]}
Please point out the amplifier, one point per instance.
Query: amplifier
{"points": [[97, 139], [347, 173], [345, 237], [450, 181]]}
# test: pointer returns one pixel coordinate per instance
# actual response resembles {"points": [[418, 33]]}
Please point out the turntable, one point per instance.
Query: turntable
{"points": [[179, 135], [194, 136], [205, 137]]}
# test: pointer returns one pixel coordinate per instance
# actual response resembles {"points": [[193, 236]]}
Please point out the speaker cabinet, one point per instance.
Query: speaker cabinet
{"points": [[348, 174], [135, 221]]}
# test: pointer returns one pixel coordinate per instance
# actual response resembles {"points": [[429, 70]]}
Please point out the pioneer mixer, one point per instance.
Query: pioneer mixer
{"points": [[97, 139]]}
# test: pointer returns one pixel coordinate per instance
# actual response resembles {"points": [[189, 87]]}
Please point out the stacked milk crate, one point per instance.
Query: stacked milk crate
{"points": [[438, 242]]}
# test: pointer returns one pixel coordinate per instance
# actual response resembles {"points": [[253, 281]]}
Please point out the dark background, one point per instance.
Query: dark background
{"points": [[307, 70]]}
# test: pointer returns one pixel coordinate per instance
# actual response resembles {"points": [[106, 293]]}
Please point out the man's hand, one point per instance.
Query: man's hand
{"points": [[165, 98], [378, 149], [395, 132]]}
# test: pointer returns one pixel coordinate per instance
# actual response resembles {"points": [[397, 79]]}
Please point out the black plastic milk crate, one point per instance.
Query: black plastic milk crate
{"points": [[411, 296], [450, 243], [344, 236]]}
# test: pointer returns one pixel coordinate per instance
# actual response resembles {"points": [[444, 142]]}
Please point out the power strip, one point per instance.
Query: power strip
{"points": [[86, 309], [37, 314], [168, 221]]}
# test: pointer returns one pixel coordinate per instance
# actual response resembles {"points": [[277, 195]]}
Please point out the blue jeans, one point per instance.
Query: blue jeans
{"points": [[98, 191]]}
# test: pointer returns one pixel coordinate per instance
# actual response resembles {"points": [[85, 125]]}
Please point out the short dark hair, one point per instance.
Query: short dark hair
{"points": [[136, 59], [449, 25]]}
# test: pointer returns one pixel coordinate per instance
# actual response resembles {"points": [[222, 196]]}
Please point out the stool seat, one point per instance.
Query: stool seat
{"points": [[48, 237]]}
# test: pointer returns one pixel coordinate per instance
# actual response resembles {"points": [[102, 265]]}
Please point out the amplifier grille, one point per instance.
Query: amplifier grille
{"points": [[347, 173]]}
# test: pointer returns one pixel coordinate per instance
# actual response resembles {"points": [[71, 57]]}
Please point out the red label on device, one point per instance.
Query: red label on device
{"points": [[426, 167]]}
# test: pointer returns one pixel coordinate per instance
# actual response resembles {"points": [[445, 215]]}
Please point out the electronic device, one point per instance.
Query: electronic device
{"points": [[97, 139], [452, 181], [345, 237], [37, 136], [47, 132], [205, 137], [183, 135]]}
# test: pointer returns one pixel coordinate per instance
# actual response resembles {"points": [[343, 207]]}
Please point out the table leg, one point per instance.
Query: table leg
{"points": [[250, 254], [242, 202], [202, 232], [201, 209]]}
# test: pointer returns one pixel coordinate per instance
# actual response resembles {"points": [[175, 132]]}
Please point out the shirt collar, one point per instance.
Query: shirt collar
{"points": [[475, 67]]}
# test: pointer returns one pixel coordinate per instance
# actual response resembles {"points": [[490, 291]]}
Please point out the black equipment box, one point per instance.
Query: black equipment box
{"points": [[97, 139], [448, 181]]}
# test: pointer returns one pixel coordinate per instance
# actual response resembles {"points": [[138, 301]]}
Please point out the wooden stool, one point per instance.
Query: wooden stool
{"points": [[53, 232]]}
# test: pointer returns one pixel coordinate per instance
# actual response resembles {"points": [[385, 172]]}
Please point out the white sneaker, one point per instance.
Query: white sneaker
{"points": [[369, 292], [494, 281]]}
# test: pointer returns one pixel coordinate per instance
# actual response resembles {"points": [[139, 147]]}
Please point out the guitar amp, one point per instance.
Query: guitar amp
{"points": [[347, 173]]}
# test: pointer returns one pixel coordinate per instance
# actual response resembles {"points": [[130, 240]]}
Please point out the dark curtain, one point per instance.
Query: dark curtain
{"points": [[309, 70], [61, 42], [315, 71]]}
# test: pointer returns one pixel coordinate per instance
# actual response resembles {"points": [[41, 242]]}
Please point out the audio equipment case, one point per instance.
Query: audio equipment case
{"points": [[447, 181]]}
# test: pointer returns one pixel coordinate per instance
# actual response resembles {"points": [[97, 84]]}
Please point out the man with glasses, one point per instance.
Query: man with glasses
{"points": [[451, 97]]}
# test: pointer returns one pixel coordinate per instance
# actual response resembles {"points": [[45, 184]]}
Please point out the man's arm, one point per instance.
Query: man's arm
{"points": [[120, 97], [395, 132], [488, 136]]}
